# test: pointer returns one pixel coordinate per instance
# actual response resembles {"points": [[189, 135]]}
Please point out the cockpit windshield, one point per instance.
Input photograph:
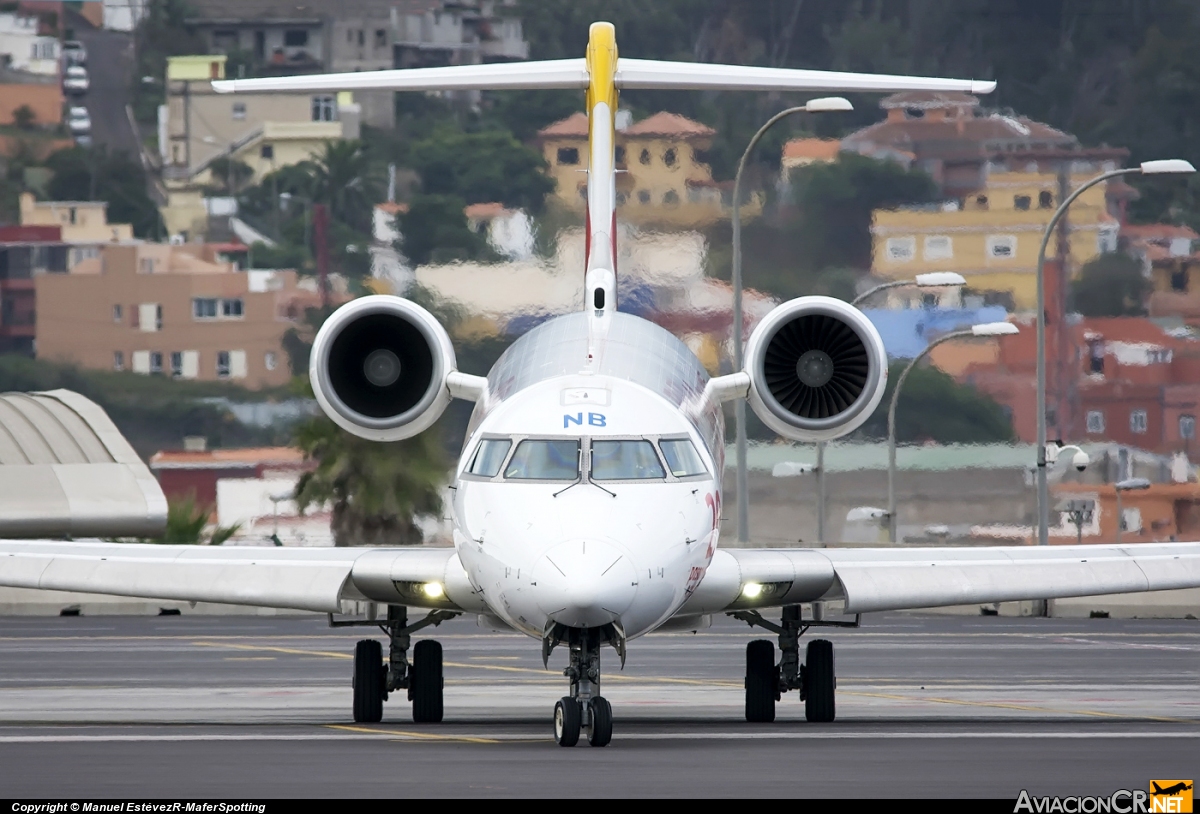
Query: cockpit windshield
{"points": [[539, 459], [682, 458], [625, 460]]}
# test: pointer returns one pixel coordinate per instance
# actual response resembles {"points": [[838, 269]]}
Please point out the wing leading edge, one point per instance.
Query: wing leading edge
{"points": [[878, 579]]}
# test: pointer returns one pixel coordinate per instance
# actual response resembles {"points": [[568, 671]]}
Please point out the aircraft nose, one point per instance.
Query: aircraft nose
{"points": [[584, 583]]}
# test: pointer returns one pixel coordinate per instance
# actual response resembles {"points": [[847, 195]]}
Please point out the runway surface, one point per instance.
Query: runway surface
{"points": [[252, 707]]}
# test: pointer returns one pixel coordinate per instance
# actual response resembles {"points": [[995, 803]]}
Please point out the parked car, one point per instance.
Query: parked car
{"points": [[78, 121], [74, 53], [83, 140], [75, 80]]}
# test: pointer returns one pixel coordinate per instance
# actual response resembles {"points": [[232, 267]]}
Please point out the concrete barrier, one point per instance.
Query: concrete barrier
{"points": [[1183, 604]]}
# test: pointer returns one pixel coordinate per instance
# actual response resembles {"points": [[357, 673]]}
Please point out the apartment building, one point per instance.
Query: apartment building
{"points": [[158, 309]]}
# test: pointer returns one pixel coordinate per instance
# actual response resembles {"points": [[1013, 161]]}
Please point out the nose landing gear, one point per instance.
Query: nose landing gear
{"points": [[584, 708], [766, 681]]}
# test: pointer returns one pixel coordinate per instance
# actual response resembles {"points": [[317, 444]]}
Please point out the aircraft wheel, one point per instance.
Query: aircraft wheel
{"points": [[567, 721], [762, 681], [601, 731], [369, 685], [819, 681], [425, 682]]}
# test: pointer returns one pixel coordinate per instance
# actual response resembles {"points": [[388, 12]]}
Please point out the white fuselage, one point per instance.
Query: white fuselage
{"points": [[615, 549]]}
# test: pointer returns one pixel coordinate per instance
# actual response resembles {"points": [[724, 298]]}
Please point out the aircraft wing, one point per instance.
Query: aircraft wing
{"points": [[632, 74], [878, 579], [315, 579]]}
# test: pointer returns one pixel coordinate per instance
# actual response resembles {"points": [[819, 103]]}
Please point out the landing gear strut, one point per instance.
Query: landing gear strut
{"points": [[584, 708], [373, 680], [766, 681]]}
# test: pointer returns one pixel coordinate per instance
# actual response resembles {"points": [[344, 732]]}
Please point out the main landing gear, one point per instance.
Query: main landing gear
{"points": [[584, 708], [766, 681], [373, 680]]}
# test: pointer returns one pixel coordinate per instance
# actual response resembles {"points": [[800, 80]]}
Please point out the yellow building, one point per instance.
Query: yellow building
{"points": [[81, 221], [992, 238], [662, 179], [265, 131]]}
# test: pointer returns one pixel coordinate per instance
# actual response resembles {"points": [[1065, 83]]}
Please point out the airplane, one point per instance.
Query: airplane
{"points": [[1170, 791], [588, 496]]}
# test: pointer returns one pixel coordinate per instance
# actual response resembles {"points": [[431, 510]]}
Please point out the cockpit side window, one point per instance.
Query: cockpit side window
{"points": [[490, 457], [682, 458], [625, 460], [543, 459]]}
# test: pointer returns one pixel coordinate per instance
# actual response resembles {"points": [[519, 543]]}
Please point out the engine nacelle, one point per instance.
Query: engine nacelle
{"points": [[817, 369], [379, 368]]}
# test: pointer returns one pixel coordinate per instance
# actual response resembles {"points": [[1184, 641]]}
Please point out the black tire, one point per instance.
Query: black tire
{"points": [[600, 732], [568, 719], [368, 688], [819, 682], [425, 682], [762, 681]]}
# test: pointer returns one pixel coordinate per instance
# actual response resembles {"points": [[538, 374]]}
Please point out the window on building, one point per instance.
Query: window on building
{"points": [[118, 360], [622, 198], [900, 249], [380, 38], [1095, 421], [239, 111], [267, 151], [568, 156], [222, 364], [939, 247], [1021, 202], [583, 191], [204, 308], [670, 157], [670, 198], [324, 109], [1131, 520], [295, 38], [619, 155], [1187, 427], [1045, 199], [644, 157], [176, 364], [981, 201], [643, 196], [1002, 247], [146, 265], [1179, 278], [362, 37], [156, 362], [118, 313], [270, 360], [150, 317], [232, 308], [1137, 421], [1095, 356]]}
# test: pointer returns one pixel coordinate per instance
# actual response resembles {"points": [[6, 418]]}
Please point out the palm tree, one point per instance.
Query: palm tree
{"points": [[376, 490], [341, 179]]}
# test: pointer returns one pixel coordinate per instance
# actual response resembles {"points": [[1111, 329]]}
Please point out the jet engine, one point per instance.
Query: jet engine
{"points": [[817, 369], [379, 368]]}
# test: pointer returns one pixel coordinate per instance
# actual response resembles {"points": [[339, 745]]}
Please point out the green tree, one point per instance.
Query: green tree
{"points": [[1111, 285], [835, 201], [434, 230], [24, 117], [481, 168], [229, 175], [187, 524], [376, 490], [934, 407], [113, 178], [342, 180]]}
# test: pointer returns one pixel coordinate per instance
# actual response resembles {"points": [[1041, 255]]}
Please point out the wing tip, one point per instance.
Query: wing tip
{"points": [[224, 85], [981, 86]]}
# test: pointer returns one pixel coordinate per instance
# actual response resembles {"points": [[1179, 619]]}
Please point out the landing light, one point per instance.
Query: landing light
{"points": [[433, 590], [752, 590]]}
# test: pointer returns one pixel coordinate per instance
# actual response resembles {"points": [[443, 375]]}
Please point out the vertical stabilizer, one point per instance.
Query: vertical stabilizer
{"points": [[601, 184]]}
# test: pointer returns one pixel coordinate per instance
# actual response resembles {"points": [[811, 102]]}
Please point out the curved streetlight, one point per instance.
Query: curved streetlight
{"points": [[986, 329], [823, 105], [933, 279], [1160, 167]]}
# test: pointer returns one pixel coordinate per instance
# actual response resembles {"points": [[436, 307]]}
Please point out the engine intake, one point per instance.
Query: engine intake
{"points": [[817, 369], [379, 368]]}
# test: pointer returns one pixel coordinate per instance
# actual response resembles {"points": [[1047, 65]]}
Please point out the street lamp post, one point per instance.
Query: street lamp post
{"points": [[1170, 165], [1127, 485], [986, 329], [933, 279], [824, 104]]}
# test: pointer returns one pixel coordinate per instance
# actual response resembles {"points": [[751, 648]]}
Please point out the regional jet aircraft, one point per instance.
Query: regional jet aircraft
{"points": [[587, 500]]}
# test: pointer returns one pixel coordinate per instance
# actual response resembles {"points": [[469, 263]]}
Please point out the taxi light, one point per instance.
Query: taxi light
{"points": [[433, 590], [752, 590]]}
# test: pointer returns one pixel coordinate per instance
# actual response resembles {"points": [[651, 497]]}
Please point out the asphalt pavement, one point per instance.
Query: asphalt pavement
{"points": [[110, 71], [927, 707]]}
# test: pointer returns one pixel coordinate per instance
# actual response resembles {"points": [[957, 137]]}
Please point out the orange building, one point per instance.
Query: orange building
{"points": [[161, 310], [1165, 512]]}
